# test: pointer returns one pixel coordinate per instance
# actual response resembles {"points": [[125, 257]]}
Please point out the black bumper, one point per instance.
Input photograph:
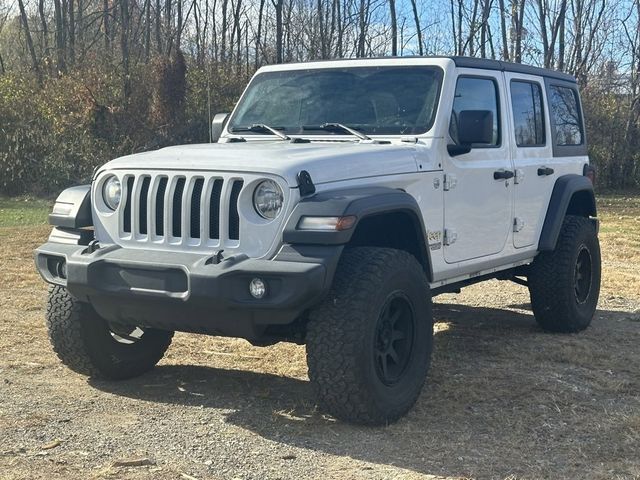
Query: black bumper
{"points": [[191, 292]]}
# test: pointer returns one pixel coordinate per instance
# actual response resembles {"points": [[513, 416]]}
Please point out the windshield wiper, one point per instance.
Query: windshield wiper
{"points": [[332, 127], [261, 127]]}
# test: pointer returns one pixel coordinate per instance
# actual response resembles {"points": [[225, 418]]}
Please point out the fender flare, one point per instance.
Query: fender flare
{"points": [[363, 202], [72, 209], [564, 189]]}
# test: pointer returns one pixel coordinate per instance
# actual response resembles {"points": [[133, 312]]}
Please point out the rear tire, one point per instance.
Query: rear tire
{"points": [[369, 343], [565, 284], [88, 345]]}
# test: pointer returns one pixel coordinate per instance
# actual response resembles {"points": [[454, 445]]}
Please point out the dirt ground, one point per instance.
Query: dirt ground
{"points": [[504, 400]]}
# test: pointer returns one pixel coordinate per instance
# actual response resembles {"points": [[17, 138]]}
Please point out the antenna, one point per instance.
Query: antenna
{"points": [[209, 103]]}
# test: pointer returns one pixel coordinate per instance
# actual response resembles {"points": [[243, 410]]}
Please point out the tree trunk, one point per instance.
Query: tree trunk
{"points": [[158, 27], [394, 28], [106, 23], [124, 46], [258, 53], [62, 67], [416, 19], [45, 32], [147, 31], [486, 9], [223, 33], [179, 27], [168, 30], [278, 4], [80, 45], [503, 31], [71, 26], [27, 34]]}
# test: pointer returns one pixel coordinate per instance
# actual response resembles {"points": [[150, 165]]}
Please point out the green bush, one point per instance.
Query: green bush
{"points": [[55, 136]]}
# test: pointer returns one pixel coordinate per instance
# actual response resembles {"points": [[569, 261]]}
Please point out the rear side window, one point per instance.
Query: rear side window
{"points": [[528, 115], [566, 116], [474, 93]]}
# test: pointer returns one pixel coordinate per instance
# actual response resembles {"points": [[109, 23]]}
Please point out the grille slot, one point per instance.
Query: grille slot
{"points": [[162, 188], [177, 207], [234, 217], [144, 197], [196, 197], [126, 221], [214, 210]]}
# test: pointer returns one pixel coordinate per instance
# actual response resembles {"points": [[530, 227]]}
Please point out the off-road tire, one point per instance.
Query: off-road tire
{"points": [[343, 330], [558, 303], [82, 340]]}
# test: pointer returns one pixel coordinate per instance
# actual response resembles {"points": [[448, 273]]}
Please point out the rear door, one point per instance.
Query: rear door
{"points": [[535, 168], [478, 196]]}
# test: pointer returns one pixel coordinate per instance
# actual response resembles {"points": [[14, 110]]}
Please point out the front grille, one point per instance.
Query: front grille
{"points": [[181, 209]]}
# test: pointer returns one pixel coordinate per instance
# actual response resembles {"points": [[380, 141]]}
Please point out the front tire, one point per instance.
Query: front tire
{"points": [[565, 284], [88, 345], [369, 343]]}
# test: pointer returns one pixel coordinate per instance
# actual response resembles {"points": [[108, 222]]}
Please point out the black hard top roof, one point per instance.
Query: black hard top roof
{"points": [[488, 64], [474, 62]]}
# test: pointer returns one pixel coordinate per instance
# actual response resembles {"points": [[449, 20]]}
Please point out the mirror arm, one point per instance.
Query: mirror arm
{"points": [[455, 150]]}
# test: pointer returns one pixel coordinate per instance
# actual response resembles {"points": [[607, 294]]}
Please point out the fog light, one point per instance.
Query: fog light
{"points": [[257, 288]]}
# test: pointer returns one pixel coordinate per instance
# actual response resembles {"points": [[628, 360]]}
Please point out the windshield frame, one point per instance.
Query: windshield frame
{"points": [[440, 77]]}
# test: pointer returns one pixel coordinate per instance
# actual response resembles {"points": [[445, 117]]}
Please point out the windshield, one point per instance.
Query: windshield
{"points": [[373, 100]]}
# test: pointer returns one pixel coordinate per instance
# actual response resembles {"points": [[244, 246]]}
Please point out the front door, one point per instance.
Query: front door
{"points": [[478, 187]]}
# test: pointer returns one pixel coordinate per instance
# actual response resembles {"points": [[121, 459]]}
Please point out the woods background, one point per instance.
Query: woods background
{"points": [[84, 81]]}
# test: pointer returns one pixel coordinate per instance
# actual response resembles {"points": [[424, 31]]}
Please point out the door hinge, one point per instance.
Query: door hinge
{"points": [[450, 182], [519, 176], [450, 236], [518, 224]]}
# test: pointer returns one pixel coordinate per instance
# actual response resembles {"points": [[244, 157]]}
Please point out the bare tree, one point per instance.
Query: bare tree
{"points": [[27, 34]]}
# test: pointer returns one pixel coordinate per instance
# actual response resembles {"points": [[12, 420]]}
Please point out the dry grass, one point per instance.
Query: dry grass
{"points": [[620, 243], [504, 399]]}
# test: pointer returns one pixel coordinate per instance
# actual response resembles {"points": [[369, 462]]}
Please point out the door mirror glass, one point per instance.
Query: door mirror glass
{"points": [[475, 126], [217, 126], [472, 127]]}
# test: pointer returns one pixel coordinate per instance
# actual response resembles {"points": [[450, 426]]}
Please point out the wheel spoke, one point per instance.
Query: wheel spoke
{"points": [[385, 366], [394, 355]]}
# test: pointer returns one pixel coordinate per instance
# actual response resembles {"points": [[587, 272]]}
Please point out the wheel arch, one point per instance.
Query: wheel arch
{"points": [[385, 217], [572, 195]]}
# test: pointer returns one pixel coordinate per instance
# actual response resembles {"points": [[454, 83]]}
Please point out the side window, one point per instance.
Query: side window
{"points": [[566, 115], [474, 93], [528, 116]]}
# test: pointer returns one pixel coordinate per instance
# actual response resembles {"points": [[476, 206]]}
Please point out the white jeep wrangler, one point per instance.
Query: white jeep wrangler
{"points": [[339, 198]]}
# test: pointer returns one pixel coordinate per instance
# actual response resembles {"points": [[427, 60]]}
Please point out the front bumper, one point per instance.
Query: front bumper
{"points": [[191, 292]]}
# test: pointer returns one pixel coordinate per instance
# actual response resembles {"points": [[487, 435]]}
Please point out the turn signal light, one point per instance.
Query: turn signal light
{"points": [[327, 224]]}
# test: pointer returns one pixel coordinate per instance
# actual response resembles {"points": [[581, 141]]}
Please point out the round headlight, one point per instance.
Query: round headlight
{"points": [[112, 192], [268, 199]]}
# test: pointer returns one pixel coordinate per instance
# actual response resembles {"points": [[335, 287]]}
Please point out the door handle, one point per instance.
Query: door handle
{"points": [[544, 171], [503, 174]]}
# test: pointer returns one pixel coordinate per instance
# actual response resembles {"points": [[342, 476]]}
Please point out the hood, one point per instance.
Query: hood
{"points": [[325, 161]]}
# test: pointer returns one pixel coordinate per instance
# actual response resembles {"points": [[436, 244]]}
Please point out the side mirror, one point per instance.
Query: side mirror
{"points": [[217, 126], [474, 126]]}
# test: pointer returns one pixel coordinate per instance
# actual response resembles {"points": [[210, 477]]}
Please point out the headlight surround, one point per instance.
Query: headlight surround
{"points": [[268, 199], [112, 192]]}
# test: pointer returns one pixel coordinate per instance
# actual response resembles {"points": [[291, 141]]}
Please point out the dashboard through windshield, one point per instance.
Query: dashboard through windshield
{"points": [[374, 100]]}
